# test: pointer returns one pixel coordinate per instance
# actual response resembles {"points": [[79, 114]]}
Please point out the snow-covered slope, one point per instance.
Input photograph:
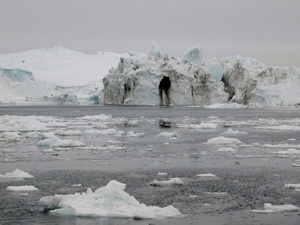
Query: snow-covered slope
{"points": [[62, 66], [55, 75]]}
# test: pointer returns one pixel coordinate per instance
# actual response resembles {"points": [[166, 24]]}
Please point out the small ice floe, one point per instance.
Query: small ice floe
{"points": [[206, 175], [281, 127], [295, 165], [234, 132], [76, 185], [49, 150], [33, 134], [68, 132], [6, 150], [224, 149], [193, 196], [216, 193], [134, 135], [269, 208], [291, 139], [290, 151], [21, 123], [16, 174], [56, 124], [10, 136], [203, 126], [57, 142], [108, 201], [119, 133], [225, 106], [223, 140], [162, 174], [292, 186], [22, 188], [110, 131], [167, 134], [96, 118], [171, 182], [281, 146]]}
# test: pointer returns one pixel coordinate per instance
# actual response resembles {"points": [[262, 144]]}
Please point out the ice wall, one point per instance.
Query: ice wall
{"points": [[138, 80]]}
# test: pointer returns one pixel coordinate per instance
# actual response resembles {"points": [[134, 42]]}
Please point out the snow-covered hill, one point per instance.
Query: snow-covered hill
{"points": [[59, 75], [63, 76]]}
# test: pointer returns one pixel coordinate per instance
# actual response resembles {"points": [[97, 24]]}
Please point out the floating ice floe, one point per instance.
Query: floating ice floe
{"points": [[109, 131], [290, 151], [16, 174], [281, 146], [22, 123], [292, 186], [295, 165], [22, 188], [208, 175], [162, 174], [10, 136], [57, 142], [224, 149], [281, 127], [171, 182], [269, 208], [68, 132], [223, 140], [96, 118], [233, 132], [168, 134], [132, 134], [203, 126], [225, 106], [108, 201]]}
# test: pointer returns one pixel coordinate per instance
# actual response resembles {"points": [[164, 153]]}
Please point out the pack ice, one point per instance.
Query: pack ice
{"points": [[108, 201]]}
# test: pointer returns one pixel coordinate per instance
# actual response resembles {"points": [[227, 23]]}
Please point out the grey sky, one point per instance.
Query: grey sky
{"points": [[268, 30]]}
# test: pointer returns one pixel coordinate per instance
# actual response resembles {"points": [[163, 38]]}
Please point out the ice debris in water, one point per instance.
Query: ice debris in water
{"points": [[16, 174], [231, 131], [167, 134], [223, 140], [108, 201], [109, 131], [22, 188], [132, 134], [209, 175], [292, 186], [203, 126], [269, 208], [10, 136], [171, 182], [57, 142]]}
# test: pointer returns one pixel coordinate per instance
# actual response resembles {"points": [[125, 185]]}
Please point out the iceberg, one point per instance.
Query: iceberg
{"points": [[108, 201], [16, 174]]}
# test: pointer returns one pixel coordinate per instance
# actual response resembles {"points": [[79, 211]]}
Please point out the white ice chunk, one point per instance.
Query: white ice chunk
{"points": [[225, 106], [209, 175], [18, 174], [233, 132], [224, 149], [203, 126], [96, 118], [194, 56], [132, 134], [292, 186], [281, 208], [109, 131], [68, 132], [22, 188], [223, 140], [171, 182], [108, 201], [10, 136], [167, 134]]}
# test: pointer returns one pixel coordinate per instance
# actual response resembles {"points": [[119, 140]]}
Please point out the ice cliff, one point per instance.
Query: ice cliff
{"points": [[158, 79]]}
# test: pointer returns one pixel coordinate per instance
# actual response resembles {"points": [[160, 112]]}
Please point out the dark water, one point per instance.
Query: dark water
{"points": [[251, 176]]}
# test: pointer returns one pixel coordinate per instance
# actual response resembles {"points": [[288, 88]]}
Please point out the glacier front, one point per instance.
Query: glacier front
{"points": [[158, 79]]}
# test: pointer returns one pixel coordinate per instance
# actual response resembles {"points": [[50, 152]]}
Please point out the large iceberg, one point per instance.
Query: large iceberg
{"points": [[157, 79], [108, 201]]}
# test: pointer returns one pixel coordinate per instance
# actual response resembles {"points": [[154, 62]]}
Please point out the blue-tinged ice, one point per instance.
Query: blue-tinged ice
{"points": [[16, 75], [194, 56]]}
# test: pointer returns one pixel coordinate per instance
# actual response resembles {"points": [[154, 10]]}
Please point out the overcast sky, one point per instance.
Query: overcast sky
{"points": [[268, 30]]}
